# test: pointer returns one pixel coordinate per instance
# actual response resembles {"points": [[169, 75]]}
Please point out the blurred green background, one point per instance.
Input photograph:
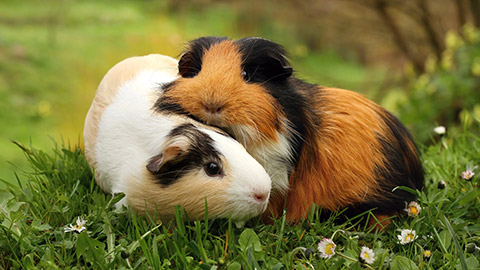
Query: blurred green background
{"points": [[420, 59]]}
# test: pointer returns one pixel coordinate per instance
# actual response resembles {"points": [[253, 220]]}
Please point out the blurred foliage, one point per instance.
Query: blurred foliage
{"points": [[448, 93], [53, 54]]}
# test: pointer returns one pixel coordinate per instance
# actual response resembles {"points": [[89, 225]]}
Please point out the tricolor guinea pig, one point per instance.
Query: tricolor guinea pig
{"points": [[324, 146], [160, 160]]}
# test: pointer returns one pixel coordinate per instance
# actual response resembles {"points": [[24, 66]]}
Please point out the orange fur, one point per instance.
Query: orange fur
{"points": [[336, 166], [341, 154], [244, 104]]}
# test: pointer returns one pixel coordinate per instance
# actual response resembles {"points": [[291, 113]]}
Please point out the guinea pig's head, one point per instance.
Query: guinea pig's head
{"points": [[197, 166], [229, 84]]}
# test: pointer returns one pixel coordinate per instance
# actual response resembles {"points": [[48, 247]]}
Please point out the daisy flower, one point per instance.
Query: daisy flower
{"points": [[440, 130], [413, 209], [326, 248], [468, 174], [367, 255], [427, 253], [79, 227], [407, 236]]}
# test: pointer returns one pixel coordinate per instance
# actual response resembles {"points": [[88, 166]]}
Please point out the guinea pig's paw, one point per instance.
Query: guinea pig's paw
{"points": [[240, 224], [121, 206]]}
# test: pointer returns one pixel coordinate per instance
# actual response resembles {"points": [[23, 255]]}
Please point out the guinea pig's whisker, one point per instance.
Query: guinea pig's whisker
{"points": [[258, 132], [254, 72], [291, 129], [274, 77], [243, 136], [247, 54]]}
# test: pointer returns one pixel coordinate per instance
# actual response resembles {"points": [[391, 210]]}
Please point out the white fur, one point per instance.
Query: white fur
{"points": [[120, 146], [248, 177], [130, 133], [275, 156]]}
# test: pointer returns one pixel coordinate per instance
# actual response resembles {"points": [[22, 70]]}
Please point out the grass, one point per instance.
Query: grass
{"points": [[59, 187]]}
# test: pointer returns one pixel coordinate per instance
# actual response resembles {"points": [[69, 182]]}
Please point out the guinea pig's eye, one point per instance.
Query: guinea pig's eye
{"points": [[212, 169], [245, 75]]}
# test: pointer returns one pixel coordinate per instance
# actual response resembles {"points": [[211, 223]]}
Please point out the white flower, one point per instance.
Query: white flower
{"points": [[427, 253], [407, 236], [367, 255], [468, 174], [326, 248], [440, 130], [413, 209], [79, 227]]}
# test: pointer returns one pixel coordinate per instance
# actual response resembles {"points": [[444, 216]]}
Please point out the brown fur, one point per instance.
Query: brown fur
{"points": [[247, 105], [341, 154], [336, 166]]}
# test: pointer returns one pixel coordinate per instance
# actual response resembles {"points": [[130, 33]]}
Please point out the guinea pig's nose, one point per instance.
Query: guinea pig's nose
{"points": [[260, 196], [213, 108]]}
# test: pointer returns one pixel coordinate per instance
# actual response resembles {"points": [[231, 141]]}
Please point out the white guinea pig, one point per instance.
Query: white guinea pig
{"points": [[161, 160]]}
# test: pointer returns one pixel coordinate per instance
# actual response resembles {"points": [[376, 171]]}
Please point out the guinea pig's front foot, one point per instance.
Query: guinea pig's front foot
{"points": [[239, 224]]}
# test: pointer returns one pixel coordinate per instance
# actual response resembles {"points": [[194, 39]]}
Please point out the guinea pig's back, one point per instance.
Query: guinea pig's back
{"points": [[117, 76], [360, 153], [133, 79]]}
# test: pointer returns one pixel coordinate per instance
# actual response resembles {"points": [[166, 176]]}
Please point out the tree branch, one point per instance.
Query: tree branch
{"points": [[475, 8], [425, 18], [401, 41]]}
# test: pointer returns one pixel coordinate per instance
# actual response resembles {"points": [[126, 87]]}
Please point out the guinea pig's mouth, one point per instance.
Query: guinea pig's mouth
{"points": [[244, 134], [213, 120], [246, 209], [228, 132], [225, 131]]}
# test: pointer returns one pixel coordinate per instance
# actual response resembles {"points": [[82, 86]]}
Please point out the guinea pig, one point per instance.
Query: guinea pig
{"points": [[325, 146], [160, 160]]}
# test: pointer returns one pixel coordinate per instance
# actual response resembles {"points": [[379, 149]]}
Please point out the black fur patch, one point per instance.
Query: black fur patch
{"points": [[265, 63], [200, 153], [403, 169], [168, 105], [190, 62], [263, 60]]}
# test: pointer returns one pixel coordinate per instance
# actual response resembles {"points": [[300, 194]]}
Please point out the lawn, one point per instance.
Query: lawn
{"points": [[59, 189], [53, 55]]}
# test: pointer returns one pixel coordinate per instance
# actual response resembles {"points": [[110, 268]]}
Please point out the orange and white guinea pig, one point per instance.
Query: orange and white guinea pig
{"points": [[320, 145], [161, 160]]}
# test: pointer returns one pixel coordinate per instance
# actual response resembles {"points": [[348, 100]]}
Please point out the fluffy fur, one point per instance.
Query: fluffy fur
{"points": [[158, 160], [327, 146], [109, 86]]}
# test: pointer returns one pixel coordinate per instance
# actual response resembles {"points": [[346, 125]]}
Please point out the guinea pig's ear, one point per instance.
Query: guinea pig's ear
{"points": [[263, 60], [279, 65], [190, 62], [171, 152]]}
